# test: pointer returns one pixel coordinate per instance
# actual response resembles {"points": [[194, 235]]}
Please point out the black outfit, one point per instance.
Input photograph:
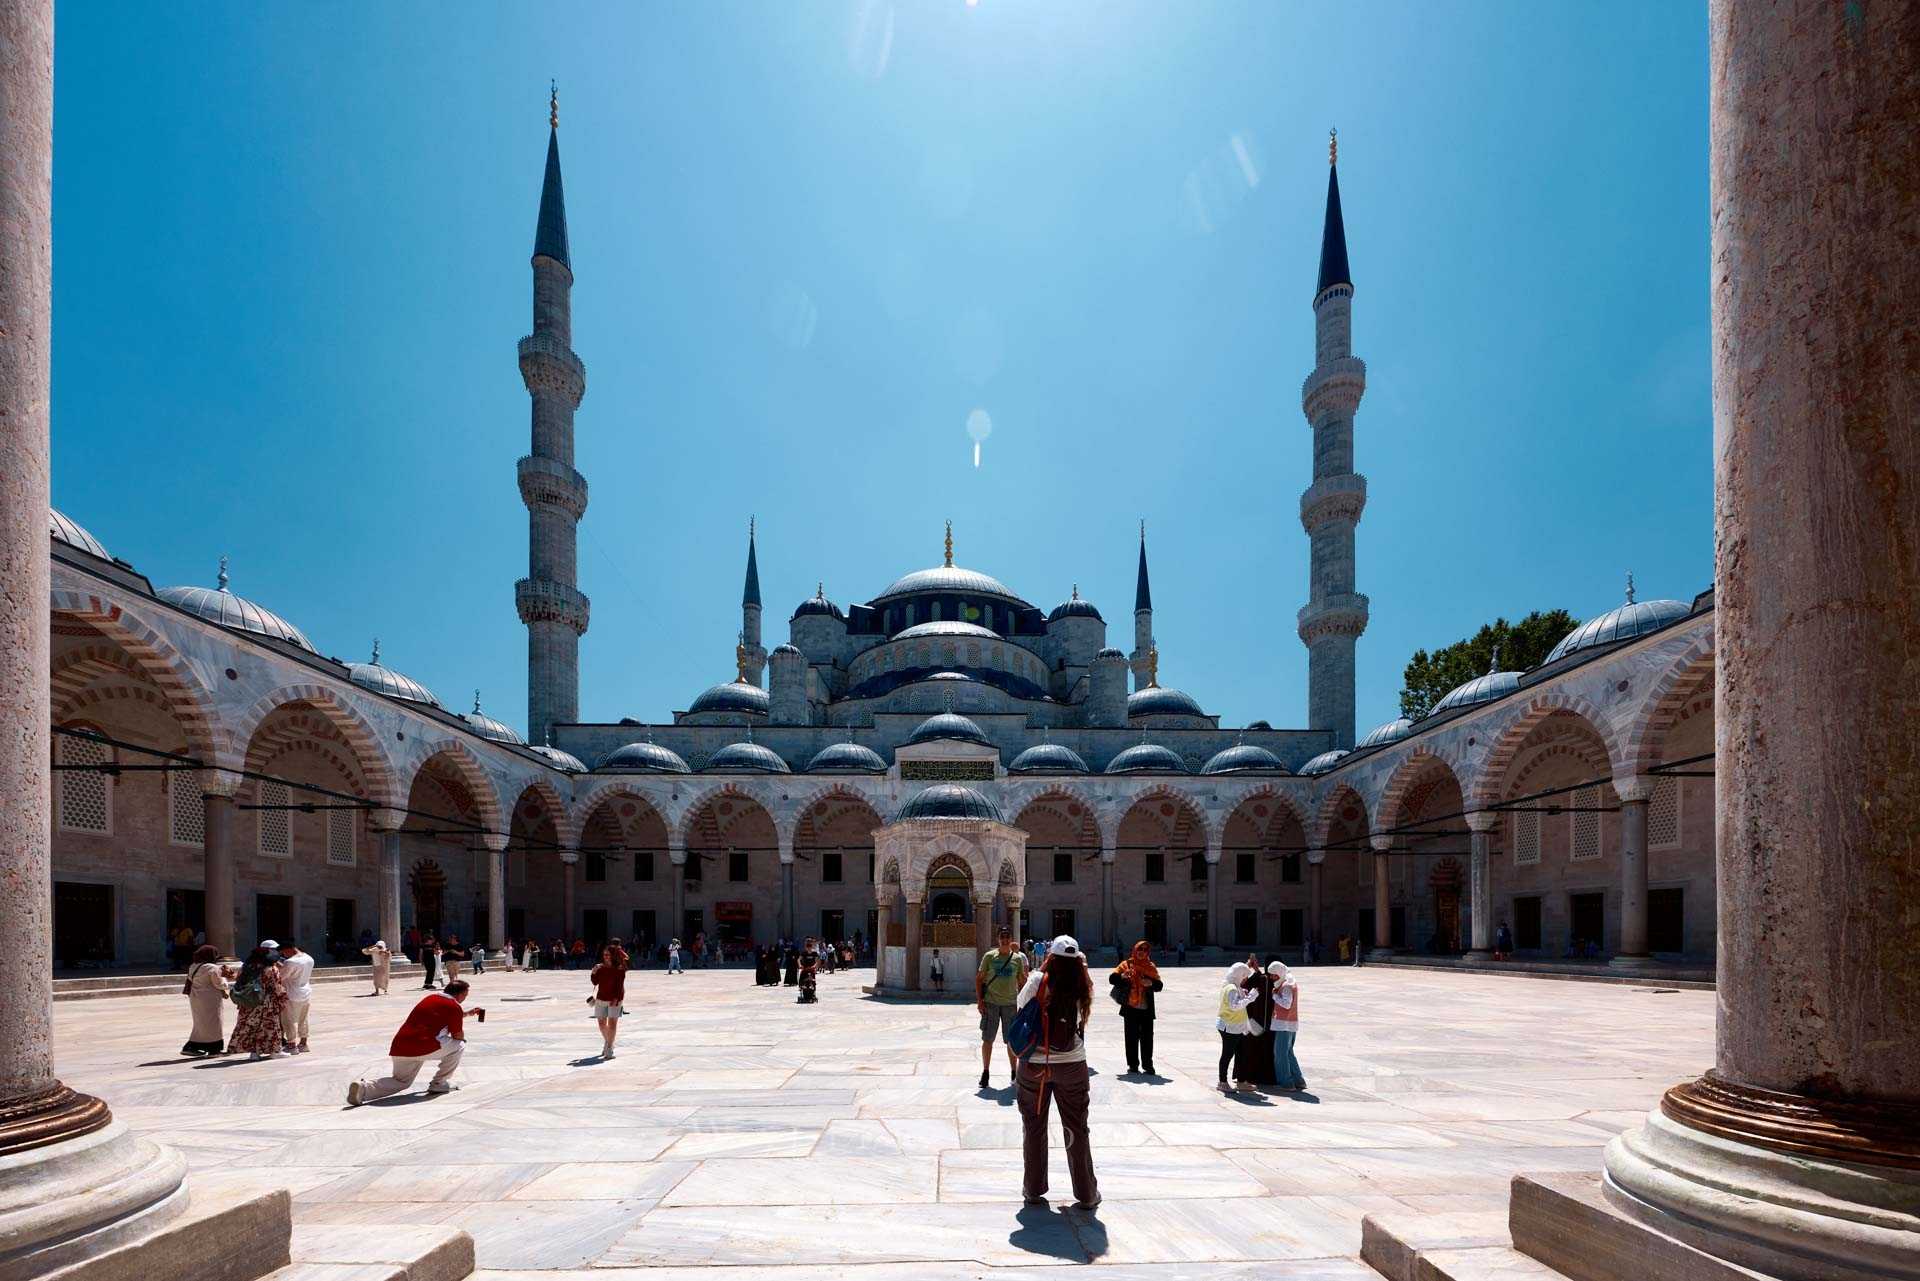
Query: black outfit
{"points": [[430, 957], [1256, 1052], [1137, 1025], [793, 966]]}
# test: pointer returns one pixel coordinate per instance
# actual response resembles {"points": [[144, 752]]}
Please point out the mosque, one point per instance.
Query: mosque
{"points": [[915, 767]]}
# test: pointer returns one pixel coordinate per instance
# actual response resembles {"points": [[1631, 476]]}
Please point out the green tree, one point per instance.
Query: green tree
{"points": [[1430, 677]]}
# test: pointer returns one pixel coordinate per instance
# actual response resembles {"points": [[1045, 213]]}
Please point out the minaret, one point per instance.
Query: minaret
{"points": [[1334, 615], [555, 494], [1142, 658], [755, 659]]}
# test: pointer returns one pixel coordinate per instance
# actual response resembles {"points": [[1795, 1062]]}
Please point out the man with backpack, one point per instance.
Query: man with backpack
{"points": [[996, 985]]}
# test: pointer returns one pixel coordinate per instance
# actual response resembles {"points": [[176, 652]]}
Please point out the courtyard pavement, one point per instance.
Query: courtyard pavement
{"points": [[848, 1139]]}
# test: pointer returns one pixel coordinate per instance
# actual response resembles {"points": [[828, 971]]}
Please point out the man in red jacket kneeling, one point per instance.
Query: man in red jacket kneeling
{"points": [[434, 1032]]}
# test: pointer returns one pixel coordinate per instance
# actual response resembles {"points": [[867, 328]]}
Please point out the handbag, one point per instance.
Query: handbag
{"points": [[186, 988]]}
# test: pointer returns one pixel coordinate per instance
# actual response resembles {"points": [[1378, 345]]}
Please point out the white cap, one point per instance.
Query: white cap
{"points": [[1065, 945], [270, 944]]}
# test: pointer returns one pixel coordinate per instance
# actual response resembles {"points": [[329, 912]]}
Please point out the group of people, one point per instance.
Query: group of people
{"points": [[799, 963], [1258, 1022], [271, 992]]}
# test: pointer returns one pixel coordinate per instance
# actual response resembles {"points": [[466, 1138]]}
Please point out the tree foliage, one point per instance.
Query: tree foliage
{"points": [[1430, 677]]}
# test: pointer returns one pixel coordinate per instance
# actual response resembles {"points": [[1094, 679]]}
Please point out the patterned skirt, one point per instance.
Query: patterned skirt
{"points": [[257, 1030]]}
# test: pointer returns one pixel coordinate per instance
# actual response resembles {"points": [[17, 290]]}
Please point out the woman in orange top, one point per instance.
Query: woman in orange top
{"points": [[1134, 981]]}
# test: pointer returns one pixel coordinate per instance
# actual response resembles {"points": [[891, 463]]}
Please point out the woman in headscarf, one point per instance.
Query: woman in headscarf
{"points": [[793, 965], [206, 992], [1286, 1026], [1055, 1072], [1256, 1051], [260, 994], [382, 957], [1231, 1020], [1134, 981]]}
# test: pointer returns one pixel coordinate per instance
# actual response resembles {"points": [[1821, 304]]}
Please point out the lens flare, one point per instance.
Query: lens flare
{"points": [[979, 427]]}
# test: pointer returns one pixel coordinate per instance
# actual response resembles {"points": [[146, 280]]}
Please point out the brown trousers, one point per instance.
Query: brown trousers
{"points": [[1063, 1085]]}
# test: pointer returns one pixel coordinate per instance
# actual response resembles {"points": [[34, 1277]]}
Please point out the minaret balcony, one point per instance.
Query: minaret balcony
{"points": [[1334, 389], [1333, 499], [1342, 615], [546, 482], [541, 600], [548, 366]]}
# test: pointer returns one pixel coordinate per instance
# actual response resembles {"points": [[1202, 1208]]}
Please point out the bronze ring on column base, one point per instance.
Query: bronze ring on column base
{"points": [[50, 1115], [1864, 1133]]}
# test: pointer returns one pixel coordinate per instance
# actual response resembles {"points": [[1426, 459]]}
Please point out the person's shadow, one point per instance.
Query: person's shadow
{"points": [[592, 1060], [1091, 1233], [1041, 1231]]}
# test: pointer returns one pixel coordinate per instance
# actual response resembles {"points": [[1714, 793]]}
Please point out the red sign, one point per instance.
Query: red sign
{"points": [[734, 913]]}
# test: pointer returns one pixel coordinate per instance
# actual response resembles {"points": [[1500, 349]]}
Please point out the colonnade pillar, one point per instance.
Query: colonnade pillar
{"points": [[1315, 863], [1382, 898], [217, 865], [677, 860], [1109, 920], [787, 929], [982, 927], [1635, 792], [390, 879], [568, 860], [1213, 892], [881, 911], [913, 946], [496, 843], [1480, 825]]}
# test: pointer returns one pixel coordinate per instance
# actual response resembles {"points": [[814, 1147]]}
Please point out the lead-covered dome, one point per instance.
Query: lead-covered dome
{"points": [[1147, 758], [737, 697], [644, 758], [487, 727], [1156, 701], [1325, 761], [1049, 758], [949, 726], [747, 758], [221, 607], [1074, 607], [1244, 758], [948, 800], [71, 532], [565, 762], [818, 604], [384, 680], [1635, 618], [947, 578], [1392, 732], [950, 627], [1481, 689], [846, 758]]}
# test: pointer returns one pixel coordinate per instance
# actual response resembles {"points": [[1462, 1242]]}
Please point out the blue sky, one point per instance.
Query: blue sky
{"points": [[291, 249]]}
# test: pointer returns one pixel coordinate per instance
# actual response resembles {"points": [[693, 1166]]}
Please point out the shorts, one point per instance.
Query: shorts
{"points": [[997, 1018], [607, 1009]]}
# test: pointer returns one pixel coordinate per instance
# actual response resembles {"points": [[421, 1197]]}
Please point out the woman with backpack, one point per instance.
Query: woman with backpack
{"points": [[206, 990], [260, 994], [1231, 1021], [1053, 1071]]}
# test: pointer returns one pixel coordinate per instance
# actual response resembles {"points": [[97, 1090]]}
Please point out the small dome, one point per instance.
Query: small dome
{"points": [[1392, 732], [644, 758], [1075, 608], [949, 627], [565, 762], [219, 606], [1635, 618], [963, 677], [746, 758], [1110, 652], [74, 534], [947, 578], [732, 696], [1244, 758], [1147, 758], [1481, 689], [846, 758], [1048, 758], [487, 727], [1155, 701], [1324, 762], [949, 726], [780, 651], [1258, 725], [384, 680], [948, 800], [820, 605]]}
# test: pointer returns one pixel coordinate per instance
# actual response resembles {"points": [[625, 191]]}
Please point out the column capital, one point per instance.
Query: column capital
{"points": [[1108, 853], [1382, 844], [1634, 787], [224, 784], [387, 822], [676, 851], [1482, 820], [569, 857], [785, 838], [496, 842]]}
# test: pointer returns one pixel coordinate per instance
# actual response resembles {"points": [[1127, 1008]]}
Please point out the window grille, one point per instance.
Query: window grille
{"points": [[86, 796], [276, 838], [1586, 825], [186, 811], [1526, 838], [341, 837], [1663, 815]]}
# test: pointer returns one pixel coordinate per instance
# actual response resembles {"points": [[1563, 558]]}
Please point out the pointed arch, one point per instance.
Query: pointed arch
{"points": [[1202, 822], [1420, 767], [1275, 794], [486, 796], [553, 808], [682, 830], [1484, 785], [1338, 801], [1654, 720], [375, 763], [187, 696]]}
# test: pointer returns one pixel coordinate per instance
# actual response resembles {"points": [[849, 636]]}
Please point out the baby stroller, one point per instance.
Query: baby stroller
{"points": [[809, 982]]}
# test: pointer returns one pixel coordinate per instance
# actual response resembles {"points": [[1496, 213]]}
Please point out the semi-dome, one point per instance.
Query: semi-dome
{"points": [[950, 627], [1048, 758], [1156, 701], [645, 758], [948, 800], [1244, 758], [749, 758], [1635, 618], [219, 606], [565, 762], [732, 696], [74, 534], [384, 680], [487, 727], [1074, 607], [1147, 758], [949, 726], [1324, 762], [1392, 732], [846, 758], [947, 578], [818, 604], [1481, 689]]}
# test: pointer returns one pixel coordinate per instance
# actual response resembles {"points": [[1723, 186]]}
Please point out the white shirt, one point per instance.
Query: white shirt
{"points": [[298, 973]]}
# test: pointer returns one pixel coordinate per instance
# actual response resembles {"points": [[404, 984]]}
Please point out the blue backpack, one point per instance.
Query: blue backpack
{"points": [[1028, 1031]]}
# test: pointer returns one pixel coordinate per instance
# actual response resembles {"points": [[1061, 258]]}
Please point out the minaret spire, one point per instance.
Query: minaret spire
{"points": [[752, 655], [1333, 234], [1145, 656], [550, 235]]}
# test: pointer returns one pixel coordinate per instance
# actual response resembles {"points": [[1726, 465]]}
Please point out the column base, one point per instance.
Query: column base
{"points": [[79, 1198], [1641, 961], [1782, 1213]]}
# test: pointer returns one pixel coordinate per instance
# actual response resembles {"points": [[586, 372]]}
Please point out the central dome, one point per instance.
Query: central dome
{"points": [[948, 578], [947, 628], [948, 800], [949, 726]]}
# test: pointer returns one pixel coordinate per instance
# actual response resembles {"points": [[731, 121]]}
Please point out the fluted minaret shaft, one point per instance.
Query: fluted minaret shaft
{"points": [[1335, 614], [549, 603]]}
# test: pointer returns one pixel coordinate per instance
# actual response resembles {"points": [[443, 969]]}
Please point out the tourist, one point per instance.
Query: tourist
{"points": [[181, 940], [809, 977], [1256, 1047], [996, 985], [1286, 1027], [1502, 943], [673, 957], [578, 952], [1182, 952], [430, 958], [609, 980], [296, 970], [1231, 1020], [478, 954], [410, 943], [792, 961], [434, 1032], [938, 969], [259, 995], [1039, 953], [1055, 1072], [450, 955], [1134, 981], [206, 989], [382, 958]]}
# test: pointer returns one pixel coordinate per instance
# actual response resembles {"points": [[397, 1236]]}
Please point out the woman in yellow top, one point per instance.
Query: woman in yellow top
{"points": [[1231, 1021]]}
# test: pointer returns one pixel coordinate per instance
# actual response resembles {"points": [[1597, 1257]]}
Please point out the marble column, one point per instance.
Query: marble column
{"points": [[1109, 923], [569, 859], [787, 927], [982, 928], [913, 946], [1213, 895], [1315, 882], [1382, 898], [677, 860], [496, 891], [217, 870], [1798, 1155], [1480, 826], [880, 914], [391, 881], [1635, 792]]}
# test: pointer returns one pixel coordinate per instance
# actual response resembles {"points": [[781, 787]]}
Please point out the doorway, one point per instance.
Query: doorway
{"points": [[1062, 921], [82, 923], [1526, 923], [1197, 927], [340, 917], [593, 925], [1667, 920], [1246, 927], [273, 917], [429, 885], [1587, 923], [1445, 882], [1156, 926], [833, 926]]}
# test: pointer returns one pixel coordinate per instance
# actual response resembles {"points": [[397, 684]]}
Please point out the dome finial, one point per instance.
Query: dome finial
{"points": [[1333, 146], [820, 589], [949, 544], [1493, 664], [375, 660], [476, 702], [1153, 668], [223, 573], [1629, 587], [1076, 591], [740, 657], [553, 104]]}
